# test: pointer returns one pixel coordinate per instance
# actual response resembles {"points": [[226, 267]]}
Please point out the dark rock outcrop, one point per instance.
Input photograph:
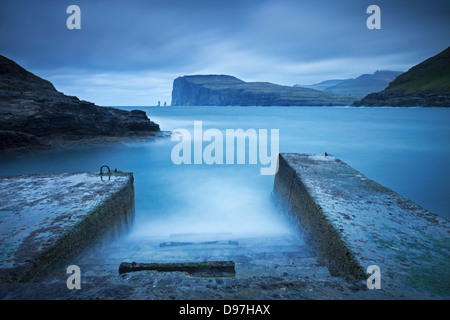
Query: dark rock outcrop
{"points": [[360, 86], [426, 85], [224, 90], [34, 114]]}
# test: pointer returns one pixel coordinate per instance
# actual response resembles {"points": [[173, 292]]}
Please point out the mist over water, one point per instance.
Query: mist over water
{"points": [[405, 149]]}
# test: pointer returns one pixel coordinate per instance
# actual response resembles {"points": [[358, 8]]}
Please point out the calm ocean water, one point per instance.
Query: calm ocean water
{"points": [[405, 149]]}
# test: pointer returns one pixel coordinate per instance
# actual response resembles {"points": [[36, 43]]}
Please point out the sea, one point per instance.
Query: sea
{"points": [[405, 149]]}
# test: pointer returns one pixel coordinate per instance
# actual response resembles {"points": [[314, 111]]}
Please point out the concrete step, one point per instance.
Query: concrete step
{"points": [[281, 256]]}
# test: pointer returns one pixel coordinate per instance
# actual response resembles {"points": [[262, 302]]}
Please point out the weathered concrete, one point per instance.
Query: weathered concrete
{"points": [[47, 219], [354, 222]]}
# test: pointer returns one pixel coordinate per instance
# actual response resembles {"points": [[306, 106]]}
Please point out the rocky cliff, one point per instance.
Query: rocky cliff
{"points": [[34, 114], [223, 90], [426, 84]]}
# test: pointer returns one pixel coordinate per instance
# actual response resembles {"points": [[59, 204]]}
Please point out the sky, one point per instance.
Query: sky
{"points": [[127, 53]]}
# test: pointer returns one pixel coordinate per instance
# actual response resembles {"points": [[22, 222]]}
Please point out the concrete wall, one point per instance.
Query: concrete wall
{"points": [[292, 195], [49, 219], [353, 222]]}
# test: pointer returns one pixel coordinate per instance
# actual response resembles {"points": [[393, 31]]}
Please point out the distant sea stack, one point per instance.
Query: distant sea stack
{"points": [[360, 86], [426, 84], [225, 90], [34, 114]]}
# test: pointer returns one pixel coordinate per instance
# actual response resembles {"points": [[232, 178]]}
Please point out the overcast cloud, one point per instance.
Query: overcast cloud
{"points": [[129, 52]]}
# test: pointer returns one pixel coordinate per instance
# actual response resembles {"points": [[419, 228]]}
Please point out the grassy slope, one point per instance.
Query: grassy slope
{"points": [[431, 75]]}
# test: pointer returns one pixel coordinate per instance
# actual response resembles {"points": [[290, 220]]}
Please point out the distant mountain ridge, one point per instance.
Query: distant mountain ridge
{"points": [[426, 84], [322, 85], [360, 86], [225, 90]]}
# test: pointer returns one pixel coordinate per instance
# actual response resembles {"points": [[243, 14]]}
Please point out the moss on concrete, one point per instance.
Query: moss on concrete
{"points": [[354, 222]]}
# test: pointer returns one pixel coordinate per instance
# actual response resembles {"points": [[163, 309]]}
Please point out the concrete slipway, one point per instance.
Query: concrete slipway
{"points": [[45, 219], [349, 221], [354, 222]]}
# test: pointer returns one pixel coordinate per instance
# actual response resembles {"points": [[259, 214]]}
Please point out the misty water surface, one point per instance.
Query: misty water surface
{"points": [[405, 149]]}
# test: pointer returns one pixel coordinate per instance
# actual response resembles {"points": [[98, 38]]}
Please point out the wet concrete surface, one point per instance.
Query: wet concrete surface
{"points": [[45, 219], [353, 222], [277, 268]]}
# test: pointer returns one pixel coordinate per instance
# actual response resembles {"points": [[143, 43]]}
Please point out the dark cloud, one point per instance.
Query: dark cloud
{"points": [[266, 40]]}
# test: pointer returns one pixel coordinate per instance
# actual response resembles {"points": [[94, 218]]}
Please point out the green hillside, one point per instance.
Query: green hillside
{"points": [[431, 75], [424, 85]]}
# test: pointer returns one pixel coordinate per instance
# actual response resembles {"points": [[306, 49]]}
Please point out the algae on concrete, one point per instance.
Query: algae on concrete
{"points": [[354, 222]]}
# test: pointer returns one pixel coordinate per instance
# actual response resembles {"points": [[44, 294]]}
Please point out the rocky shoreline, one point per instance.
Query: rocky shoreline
{"points": [[34, 115], [399, 98]]}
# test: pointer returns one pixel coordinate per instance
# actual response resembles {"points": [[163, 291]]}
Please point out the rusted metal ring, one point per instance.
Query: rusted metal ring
{"points": [[101, 169]]}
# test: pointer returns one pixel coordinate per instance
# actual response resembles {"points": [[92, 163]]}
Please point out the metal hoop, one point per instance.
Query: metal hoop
{"points": [[101, 169]]}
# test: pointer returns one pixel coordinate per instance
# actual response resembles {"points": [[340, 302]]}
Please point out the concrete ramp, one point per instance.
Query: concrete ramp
{"points": [[47, 219], [354, 222]]}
